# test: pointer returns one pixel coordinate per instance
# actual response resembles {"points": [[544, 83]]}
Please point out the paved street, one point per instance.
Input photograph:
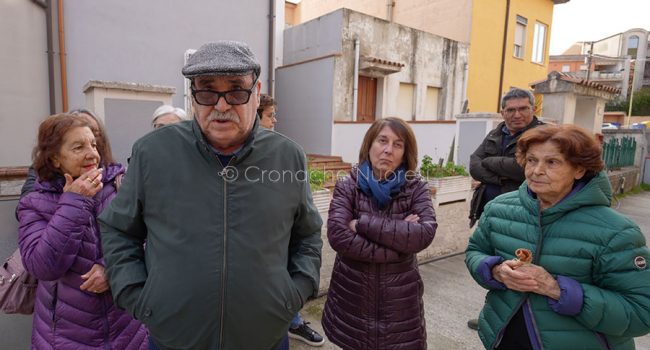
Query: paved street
{"points": [[452, 297]]}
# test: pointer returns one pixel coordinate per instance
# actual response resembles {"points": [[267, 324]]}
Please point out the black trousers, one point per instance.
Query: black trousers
{"points": [[515, 336]]}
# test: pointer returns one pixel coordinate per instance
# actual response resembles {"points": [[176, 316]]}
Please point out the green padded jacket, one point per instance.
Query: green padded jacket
{"points": [[581, 238], [231, 253]]}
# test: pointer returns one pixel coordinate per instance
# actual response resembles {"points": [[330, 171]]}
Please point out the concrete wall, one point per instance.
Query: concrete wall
{"points": [[126, 121], [144, 41], [125, 41], [447, 18], [560, 107], [587, 113], [429, 60], [316, 38], [304, 96], [434, 139], [24, 93]]}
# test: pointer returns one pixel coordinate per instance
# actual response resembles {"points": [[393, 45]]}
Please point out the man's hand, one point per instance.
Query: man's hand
{"points": [[95, 280]]}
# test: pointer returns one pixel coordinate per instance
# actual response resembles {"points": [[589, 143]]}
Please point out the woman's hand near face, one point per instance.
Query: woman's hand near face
{"points": [[95, 280], [88, 184]]}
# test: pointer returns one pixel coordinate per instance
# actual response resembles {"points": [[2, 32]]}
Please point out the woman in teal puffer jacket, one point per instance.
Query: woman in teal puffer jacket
{"points": [[588, 286]]}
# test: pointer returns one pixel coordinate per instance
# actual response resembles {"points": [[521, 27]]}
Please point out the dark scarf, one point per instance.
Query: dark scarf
{"points": [[380, 191]]}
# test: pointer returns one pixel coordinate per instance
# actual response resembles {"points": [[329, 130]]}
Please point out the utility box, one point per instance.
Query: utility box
{"points": [[471, 129]]}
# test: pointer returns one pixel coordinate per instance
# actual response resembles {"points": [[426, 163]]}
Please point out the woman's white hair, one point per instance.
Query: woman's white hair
{"points": [[166, 109]]}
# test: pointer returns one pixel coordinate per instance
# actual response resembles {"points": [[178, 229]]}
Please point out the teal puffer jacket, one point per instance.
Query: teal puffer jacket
{"points": [[581, 238]]}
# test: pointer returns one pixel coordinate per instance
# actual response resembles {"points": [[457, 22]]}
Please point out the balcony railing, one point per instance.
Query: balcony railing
{"points": [[612, 76]]}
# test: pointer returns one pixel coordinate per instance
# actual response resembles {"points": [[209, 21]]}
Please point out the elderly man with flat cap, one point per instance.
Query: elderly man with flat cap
{"points": [[233, 247]]}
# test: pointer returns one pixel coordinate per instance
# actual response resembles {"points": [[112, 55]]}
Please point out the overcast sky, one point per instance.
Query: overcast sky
{"points": [[587, 20]]}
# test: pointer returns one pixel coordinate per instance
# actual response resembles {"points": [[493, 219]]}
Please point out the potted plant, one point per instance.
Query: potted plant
{"points": [[451, 181], [320, 194]]}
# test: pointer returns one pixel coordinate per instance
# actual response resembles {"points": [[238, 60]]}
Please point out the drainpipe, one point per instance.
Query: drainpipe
{"points": [[355, 80], [503, 54], [390, 4], [271, 47], [64, 75], [47, 6]]}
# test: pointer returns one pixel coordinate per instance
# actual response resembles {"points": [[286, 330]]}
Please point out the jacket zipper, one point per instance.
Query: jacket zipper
{"points": [[107, 345], [378, 289], [538, 337], [602, 340], [521, 302], [224, 270], [538, 251], [503, 330]]}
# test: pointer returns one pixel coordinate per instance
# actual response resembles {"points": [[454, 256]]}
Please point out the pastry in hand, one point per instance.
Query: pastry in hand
{"points": [[524, 255]]}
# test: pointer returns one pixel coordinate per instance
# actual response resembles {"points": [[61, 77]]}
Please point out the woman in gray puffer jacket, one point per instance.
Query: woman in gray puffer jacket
{"points": [[380, 217], [60, 244]]}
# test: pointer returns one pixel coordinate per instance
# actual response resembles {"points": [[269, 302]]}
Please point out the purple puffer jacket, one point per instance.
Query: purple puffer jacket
{"points": [[59, 241], [375, 295]]}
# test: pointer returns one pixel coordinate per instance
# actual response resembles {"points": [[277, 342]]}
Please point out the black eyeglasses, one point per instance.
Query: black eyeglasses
{"points": [[233, 97], [512, 111]]}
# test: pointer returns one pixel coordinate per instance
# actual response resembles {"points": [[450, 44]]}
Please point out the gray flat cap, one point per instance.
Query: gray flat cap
{"points": [[222, 58]]}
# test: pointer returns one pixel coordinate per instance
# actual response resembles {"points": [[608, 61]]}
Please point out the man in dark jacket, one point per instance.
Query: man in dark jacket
{"points": [[493, 163], [233, 247]]}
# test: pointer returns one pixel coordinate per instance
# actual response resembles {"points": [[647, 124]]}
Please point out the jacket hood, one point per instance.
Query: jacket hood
{"points": [[56, 185], [597, 192]]}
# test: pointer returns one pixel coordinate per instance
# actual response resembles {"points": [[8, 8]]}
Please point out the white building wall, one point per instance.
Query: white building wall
{"points": [[433, 139], [24, 91]]}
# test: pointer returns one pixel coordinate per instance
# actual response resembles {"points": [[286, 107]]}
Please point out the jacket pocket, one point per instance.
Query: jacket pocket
{"points": [[143, 309], [292, 300]]}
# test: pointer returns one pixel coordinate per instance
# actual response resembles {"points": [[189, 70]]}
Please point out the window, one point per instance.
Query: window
{"points": [[632, 45], [566, 68], [539, 43], [520, 37], [405, 101], [366, 99], [431, 104]]}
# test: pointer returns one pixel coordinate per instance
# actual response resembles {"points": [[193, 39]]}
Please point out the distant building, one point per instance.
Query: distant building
{"points": [[494, 66], [344, 70], [615, 61]]}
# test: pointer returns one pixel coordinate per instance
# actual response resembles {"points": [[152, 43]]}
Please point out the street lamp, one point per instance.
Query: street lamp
{"points": [[629, 110]]}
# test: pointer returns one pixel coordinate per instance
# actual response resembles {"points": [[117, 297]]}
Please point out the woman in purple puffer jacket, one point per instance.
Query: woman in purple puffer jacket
{"points": [[380, 217], [60, 244]]}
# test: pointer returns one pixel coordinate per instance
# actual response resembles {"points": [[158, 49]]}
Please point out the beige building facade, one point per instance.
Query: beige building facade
{"points": [[447, 18]]}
